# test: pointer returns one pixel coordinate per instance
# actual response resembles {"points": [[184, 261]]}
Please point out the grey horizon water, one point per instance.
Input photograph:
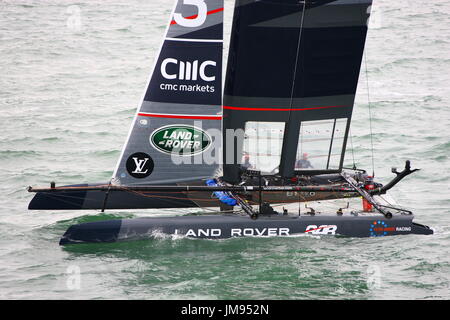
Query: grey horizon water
{"points": [[72, 74]]}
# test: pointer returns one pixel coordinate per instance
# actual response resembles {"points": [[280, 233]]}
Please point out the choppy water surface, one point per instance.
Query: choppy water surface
{"points": [[68, 92]]}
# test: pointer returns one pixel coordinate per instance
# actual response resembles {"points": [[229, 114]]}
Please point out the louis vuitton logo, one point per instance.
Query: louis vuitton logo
{"points": [[140, 165]]}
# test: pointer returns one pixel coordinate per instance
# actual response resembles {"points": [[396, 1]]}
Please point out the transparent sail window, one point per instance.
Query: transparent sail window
{"points": [[337, 146], [263, 142], [320, 144]]}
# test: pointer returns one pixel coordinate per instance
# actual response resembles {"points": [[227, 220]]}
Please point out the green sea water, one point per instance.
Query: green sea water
{"points": [[72, 74]]}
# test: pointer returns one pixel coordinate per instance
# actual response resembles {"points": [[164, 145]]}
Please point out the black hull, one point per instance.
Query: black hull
{"points": [[89, 200], [229, 226], [79, 199]]}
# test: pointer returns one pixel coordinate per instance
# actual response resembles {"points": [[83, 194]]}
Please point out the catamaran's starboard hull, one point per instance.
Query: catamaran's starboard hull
{"points": [[228, 226]]}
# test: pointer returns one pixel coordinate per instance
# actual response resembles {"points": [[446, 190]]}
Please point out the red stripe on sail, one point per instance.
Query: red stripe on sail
{"points": [[196, 15], [179, 116], [280, 109]]}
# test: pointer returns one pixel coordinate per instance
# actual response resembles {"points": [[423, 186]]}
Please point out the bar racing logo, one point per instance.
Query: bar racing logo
{"points": [[321, 230], [179, 139]]}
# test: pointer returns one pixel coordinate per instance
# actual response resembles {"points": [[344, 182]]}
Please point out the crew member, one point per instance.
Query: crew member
{"points": [[246, 161], [303, 163]]}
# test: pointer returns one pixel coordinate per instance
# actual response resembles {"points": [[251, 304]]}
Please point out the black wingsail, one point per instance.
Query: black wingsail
{"points": [[291, 80]]}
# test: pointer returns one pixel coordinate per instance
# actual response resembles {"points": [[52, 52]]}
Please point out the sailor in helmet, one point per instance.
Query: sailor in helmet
{"points": [[303, 163], [246, 160]]}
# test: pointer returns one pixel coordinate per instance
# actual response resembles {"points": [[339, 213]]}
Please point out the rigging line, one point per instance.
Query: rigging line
{"points": [[106, 196], [286, 133], [296, 58], [170, 197], [143, 194], [59, 196], [370, 116], [368, 93], [353, 150]]}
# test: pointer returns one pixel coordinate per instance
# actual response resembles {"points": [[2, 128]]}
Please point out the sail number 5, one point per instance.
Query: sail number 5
{"points": [[195, 21]]}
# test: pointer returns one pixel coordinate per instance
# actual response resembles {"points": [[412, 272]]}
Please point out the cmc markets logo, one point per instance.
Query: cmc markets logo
{"points": [[185, 70], [139, 165], [182, 140]]}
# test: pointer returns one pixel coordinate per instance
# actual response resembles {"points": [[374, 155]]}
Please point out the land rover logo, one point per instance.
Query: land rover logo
{"points": [[140, 165], [182, 140]]}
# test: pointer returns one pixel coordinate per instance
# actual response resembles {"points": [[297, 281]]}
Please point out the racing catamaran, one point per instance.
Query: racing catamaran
{"points": [[275, 133]]}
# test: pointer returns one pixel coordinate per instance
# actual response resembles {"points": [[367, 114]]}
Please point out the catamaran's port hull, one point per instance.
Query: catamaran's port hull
{"points": [[228, 226], [76, 198]]}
